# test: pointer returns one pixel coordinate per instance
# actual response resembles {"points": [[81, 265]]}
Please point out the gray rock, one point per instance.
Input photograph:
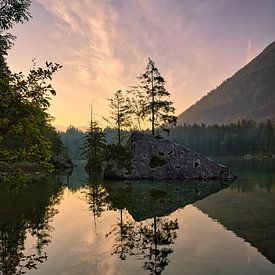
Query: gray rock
{"points": [[156, 157]]}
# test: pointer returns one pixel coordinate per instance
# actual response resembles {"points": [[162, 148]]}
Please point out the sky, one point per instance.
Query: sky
{"points": [[104, 45]]}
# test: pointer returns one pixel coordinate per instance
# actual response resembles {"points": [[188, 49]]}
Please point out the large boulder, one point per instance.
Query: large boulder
{"points": [[156, 157]]}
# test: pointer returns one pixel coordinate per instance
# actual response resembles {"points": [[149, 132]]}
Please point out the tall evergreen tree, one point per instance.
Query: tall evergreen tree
{"points": [[94, 146], [159, 110], [136, 103], [119, 113]]}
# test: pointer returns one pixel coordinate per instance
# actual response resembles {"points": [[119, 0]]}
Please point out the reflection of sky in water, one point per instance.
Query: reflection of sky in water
{"points": [[228, 232], [202, 246]]}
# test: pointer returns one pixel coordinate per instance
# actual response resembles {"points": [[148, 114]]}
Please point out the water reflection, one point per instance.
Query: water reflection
{"points": [[141, 227], [146, 199], [96, 196], [146, 233], [28, 210], [248, 207], [149, 241], [252, 174]]}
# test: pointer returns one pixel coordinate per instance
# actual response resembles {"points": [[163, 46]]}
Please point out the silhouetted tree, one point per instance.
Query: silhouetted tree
{"points": [[136, 101], [24, 120], [24, 102], [159, 110], [94, 146], [268, 136], [119, 113], [11, 12]]}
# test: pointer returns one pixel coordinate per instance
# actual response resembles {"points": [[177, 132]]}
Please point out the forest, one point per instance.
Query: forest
{"points": [[245, 137]]}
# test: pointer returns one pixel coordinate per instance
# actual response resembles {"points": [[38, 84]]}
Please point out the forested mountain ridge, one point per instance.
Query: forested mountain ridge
{"points": [[249, 94]]}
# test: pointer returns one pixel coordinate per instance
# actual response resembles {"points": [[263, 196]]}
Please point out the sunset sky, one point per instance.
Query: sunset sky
{"points": [[104, 44]]}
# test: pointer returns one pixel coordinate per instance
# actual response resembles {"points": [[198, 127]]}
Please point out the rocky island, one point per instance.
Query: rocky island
{"points": [[156, 157]]}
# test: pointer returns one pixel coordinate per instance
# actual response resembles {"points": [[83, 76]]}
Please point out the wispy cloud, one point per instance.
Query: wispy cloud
{"points": [[104, 45]]}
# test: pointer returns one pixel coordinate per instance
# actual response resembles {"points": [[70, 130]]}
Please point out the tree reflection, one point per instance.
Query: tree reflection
{"points": [[28, 210], [96, 196], [125, 237], [147, 232], [150, 242], [156, 240]]}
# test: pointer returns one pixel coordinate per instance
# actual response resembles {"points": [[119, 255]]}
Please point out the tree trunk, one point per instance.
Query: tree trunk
{"points": [[119, 138], [153, 104]]}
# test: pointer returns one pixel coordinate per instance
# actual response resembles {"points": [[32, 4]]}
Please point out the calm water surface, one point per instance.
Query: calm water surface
{"points": [[87, 226]]}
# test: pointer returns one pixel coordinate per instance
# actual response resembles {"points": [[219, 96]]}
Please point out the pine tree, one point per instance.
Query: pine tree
{"points": [[94, 146], [159, 110], [136, 105], [119, 113]]}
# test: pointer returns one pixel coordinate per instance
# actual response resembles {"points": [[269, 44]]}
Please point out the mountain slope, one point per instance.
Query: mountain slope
{"points": [[249, 93]]}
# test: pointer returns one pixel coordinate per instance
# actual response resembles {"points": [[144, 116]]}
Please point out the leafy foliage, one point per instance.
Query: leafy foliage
{"points": [[11, 12], [24, 121], [30, 262], [136, 101], [25, 130]]}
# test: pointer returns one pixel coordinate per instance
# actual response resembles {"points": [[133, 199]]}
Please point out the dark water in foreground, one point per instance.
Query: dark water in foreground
{"points": [[141, 227]]}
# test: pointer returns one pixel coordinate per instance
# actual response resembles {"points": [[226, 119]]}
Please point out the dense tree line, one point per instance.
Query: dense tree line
{"points": [[241, 138], [73, 142]]}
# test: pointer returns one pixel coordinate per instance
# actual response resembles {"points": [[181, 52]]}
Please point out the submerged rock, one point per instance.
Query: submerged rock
{"points": [[156, 157]]}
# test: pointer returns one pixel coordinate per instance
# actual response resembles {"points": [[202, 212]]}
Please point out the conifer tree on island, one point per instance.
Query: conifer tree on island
{"points": [[94, 145], [119, 113], [159, 110]]}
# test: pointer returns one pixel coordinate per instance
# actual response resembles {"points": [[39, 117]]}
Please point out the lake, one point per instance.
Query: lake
{"points": [[88, 226]]}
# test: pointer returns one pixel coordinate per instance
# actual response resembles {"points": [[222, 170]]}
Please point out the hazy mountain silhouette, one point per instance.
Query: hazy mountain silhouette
{"points": [[249, 93]]}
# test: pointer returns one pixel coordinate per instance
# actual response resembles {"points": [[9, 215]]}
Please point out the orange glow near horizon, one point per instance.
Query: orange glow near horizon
{"points": [[103, 46]]}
